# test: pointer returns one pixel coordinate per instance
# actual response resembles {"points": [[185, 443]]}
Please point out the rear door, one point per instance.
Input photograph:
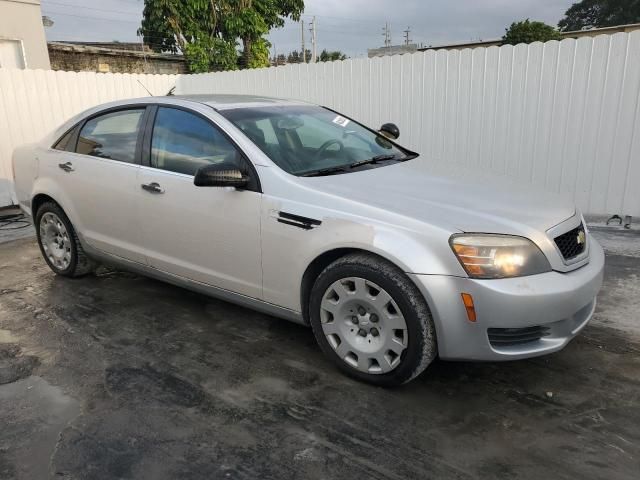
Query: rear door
{"points": [[97, 168], [207, 234]]}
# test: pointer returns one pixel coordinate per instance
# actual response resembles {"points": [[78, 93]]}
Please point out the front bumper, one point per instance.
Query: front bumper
{"points": [[561, 303]]}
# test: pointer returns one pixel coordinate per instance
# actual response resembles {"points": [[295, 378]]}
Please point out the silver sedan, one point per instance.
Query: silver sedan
{"points": [[304, 213]]}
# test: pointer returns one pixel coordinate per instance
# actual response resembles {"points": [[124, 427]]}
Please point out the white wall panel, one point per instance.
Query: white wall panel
{"points": [[564, 116], [34, 102]]}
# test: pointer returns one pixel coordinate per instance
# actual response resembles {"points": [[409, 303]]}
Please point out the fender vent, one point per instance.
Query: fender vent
{"points": [[508, 337], [297, 221]]}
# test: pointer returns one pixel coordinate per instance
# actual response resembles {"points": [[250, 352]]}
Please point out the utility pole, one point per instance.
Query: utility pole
{"points": [[304, 53], [314, 41], [387, 35], [407, 40]]}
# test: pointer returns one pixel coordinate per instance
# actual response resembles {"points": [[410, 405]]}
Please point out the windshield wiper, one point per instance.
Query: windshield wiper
{"points": [[376, 159], [323, 171]]}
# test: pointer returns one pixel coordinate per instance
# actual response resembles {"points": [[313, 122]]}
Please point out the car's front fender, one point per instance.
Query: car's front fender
{"points": [[288, 250]]}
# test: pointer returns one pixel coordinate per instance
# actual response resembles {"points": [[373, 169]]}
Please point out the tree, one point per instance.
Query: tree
{"points": [[326, 56], [296, 57], [600, 13], [194, 28], [528, 32], [208, 32], [255, 18]]}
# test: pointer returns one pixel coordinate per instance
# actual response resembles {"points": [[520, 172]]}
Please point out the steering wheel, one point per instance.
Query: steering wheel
{"points": [[323, 148]]}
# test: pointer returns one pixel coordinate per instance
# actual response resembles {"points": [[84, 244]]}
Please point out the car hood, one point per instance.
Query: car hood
{"points": [[462, 201]]}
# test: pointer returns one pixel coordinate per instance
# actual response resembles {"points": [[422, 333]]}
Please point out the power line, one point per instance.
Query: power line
{"points": [[346, 19], [130, 12], [331, 28], [337, 29], [53, 13]]}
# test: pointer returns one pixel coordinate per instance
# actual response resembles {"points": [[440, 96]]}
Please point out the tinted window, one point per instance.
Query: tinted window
{"points": [[113, 135], [183, 142], [63, 143]]}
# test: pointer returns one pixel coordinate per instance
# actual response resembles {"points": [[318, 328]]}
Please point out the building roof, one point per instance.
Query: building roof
{"points": [[129, 46], [591, 32]]}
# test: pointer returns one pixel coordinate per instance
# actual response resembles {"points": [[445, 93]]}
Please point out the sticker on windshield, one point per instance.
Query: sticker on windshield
{"points": [[343, 122]]}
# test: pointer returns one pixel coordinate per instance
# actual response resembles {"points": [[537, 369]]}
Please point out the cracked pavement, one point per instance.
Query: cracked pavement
{"points": [[119, 376]]}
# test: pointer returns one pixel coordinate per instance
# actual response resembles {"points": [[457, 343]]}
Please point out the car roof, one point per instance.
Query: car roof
{"points": [[230, 102]]}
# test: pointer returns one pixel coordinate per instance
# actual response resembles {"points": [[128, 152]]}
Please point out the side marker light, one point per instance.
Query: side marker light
{"points": [[467, 299]]}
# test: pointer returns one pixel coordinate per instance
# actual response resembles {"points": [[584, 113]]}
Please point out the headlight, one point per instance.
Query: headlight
{"points": [[498, 256]]}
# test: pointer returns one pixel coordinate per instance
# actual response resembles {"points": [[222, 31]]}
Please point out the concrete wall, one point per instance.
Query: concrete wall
{"points": [[392, 50], [80, 58], [562, 116], [22, 20]]}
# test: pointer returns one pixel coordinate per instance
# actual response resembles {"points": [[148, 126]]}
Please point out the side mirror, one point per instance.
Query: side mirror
{"points": [[220, 175], [390, 130]]}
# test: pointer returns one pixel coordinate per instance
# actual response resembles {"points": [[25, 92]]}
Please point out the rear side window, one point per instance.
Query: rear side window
{"points": [[112, 135], [63, 143], [183, 142]]}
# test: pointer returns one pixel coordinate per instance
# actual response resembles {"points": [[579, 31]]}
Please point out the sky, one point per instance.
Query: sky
{"points": [[351, 26]]}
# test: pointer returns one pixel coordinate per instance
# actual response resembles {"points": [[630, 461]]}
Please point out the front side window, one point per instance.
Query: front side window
{"points": [[112, 135], [305, 140], [63, 143], [183, 142]]}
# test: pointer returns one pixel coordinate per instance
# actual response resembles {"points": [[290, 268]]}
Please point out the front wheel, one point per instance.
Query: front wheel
{"points": [[372, 321]]}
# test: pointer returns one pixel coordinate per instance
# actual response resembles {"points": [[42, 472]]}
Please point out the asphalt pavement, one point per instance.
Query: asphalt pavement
{"points": [[118, 376]]}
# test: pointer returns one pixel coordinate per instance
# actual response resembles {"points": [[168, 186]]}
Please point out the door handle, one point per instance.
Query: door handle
{"points": [[67, 167], [152, 187]]}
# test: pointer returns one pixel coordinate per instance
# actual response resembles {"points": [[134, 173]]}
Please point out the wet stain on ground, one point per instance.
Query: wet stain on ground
{"points": [[13, 365], [148, 383], [33, 416], [118, 376]]}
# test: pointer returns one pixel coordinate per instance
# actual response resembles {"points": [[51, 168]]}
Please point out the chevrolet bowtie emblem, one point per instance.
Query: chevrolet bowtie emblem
{"points": [[581, 238]]}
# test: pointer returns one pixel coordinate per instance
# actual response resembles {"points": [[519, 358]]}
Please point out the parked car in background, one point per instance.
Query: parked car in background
{"points": [[303, 213]]}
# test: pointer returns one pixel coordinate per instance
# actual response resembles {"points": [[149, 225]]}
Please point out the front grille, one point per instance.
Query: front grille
{"points": [[572, 243], [507, 337]]}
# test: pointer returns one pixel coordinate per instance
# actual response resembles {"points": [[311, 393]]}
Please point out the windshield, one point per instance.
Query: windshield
{"points": [[308, 140]]}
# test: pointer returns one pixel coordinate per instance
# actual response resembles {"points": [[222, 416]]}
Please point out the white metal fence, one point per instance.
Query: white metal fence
{"points": [[560, 115], [34, 102], [564, 116]]}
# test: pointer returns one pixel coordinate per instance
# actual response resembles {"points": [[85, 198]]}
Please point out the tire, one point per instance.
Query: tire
{"points": [[384, 329], [59, 242]]}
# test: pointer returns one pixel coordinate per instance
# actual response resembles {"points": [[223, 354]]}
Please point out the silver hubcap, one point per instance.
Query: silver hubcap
{"points": [[363, 325], [55, 241]]}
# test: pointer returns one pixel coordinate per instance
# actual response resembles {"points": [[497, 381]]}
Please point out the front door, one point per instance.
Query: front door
{"points": [[207, 234]]}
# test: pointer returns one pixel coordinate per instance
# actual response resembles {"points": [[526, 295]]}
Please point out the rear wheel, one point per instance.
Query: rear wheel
{"points": [[372, 321], [59, 243]]}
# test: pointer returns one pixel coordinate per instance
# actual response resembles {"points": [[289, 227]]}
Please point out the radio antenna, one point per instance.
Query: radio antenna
{"points": [[141, 84]]}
